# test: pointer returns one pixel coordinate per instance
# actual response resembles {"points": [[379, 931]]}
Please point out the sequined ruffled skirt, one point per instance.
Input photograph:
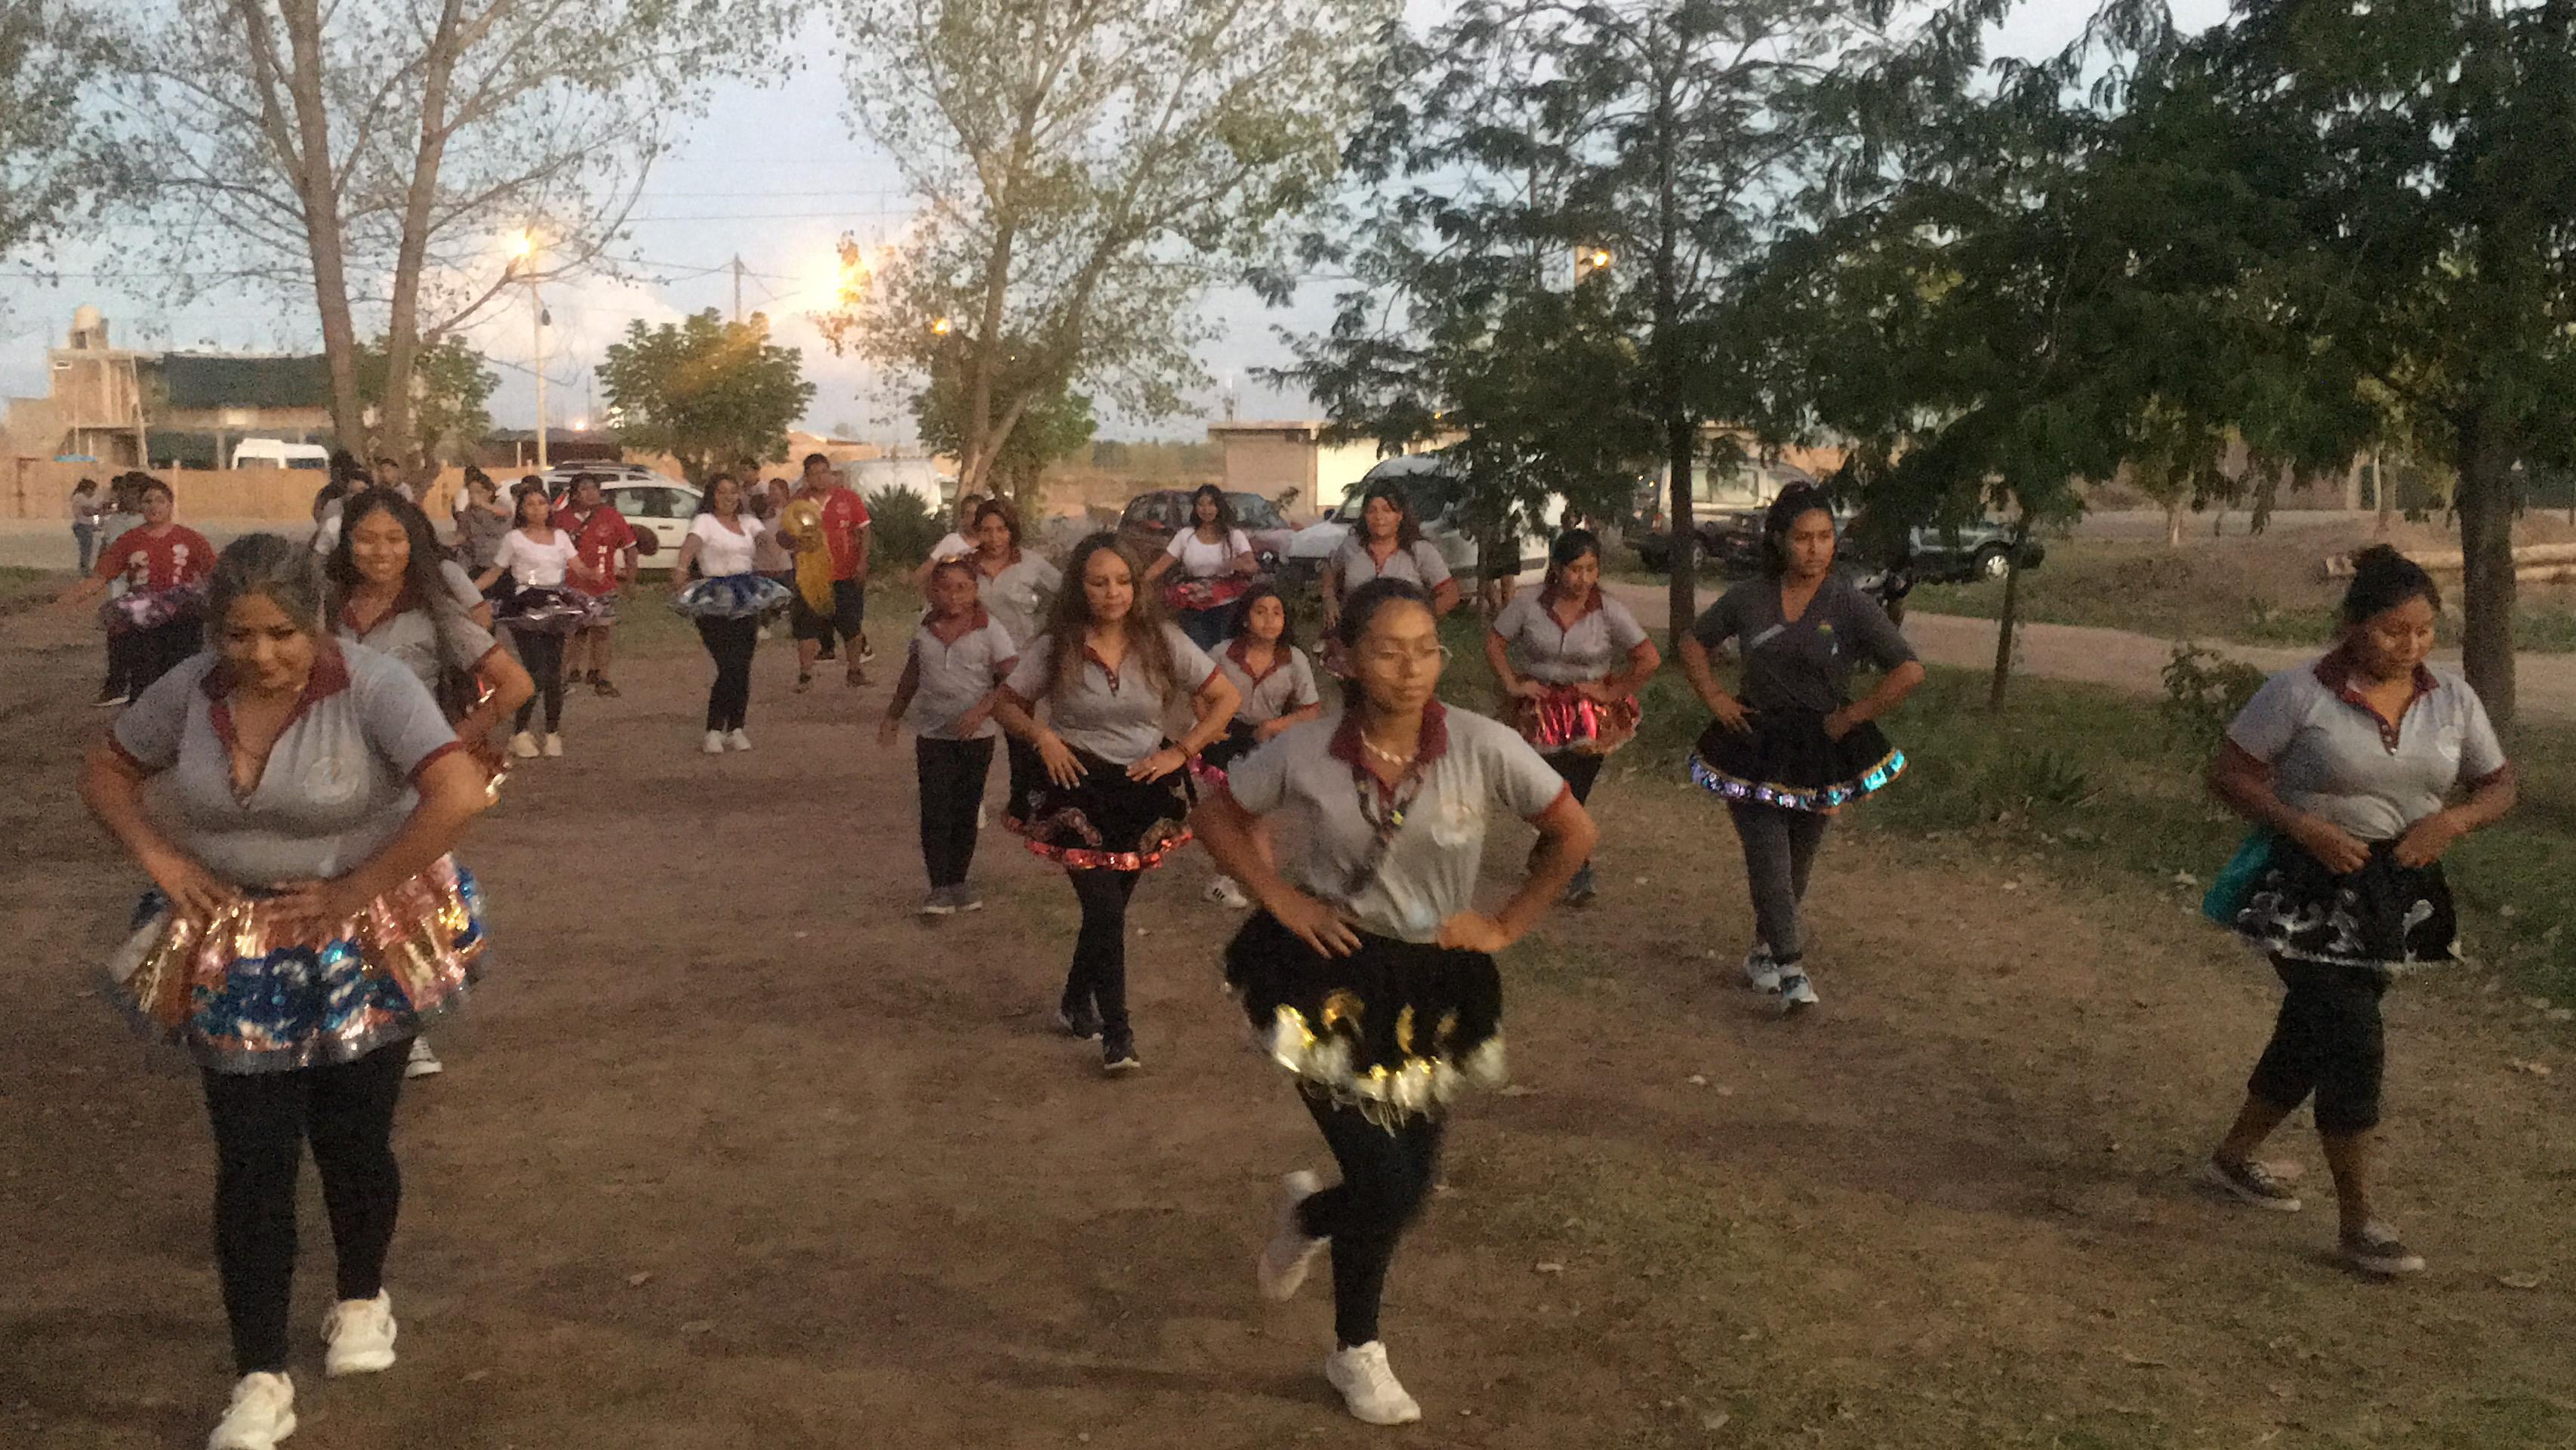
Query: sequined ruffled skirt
{"points": [[2384, 917], [1106, 821], [1395, 1029], [240, 995], [1565, 720], [139, 609], [1209, 766], [1787, 761], [552, 609], [732, 596]]}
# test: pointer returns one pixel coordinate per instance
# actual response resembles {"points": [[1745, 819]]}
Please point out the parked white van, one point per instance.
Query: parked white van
{"points": [[275, 453]]}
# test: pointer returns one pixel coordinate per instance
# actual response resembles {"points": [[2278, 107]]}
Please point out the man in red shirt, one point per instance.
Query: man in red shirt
{"points": [[604, 544], [154, 558], [844, 532]]}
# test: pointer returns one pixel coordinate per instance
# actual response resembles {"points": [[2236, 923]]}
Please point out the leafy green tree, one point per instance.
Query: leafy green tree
{"points": [[53, 157], [1086, 170], [450, 389], [1050, 429], [706, 391], [1564, 200]]}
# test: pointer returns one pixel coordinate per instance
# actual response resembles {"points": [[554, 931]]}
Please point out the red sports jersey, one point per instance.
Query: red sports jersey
{"points": [[843, 516], [597, 541], [179, 556]]}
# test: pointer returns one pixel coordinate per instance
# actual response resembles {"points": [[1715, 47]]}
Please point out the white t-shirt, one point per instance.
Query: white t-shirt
{"points": [[955, 546], [535, 565], [1202, 560], [721, 551]]}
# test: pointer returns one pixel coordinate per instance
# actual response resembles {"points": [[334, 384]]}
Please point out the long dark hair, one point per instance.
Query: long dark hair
{"points": [[530, 487], [422, 578], [1794, 503], [1368, 599], [742, 500], [1408, 529], [1069, 618], [1010, 520], [2383, 579], [1567, 548], [1224, 509], [1240, 622]]}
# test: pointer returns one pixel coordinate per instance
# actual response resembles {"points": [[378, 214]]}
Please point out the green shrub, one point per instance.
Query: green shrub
{"points": [[903, 526], [2204, 691]]}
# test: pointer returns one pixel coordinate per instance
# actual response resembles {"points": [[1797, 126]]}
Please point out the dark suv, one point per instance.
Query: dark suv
{"points": [[1146, 528]]}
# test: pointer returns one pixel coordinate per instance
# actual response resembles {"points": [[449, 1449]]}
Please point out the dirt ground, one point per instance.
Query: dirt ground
{"points": [[732, 1150]]}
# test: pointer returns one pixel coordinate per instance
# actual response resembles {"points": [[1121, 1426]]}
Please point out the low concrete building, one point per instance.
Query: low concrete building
{"points": [[1288, 462], [130, 408]]}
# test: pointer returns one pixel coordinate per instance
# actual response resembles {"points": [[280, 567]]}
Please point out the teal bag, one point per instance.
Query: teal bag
{"points": [[2235, 884]]}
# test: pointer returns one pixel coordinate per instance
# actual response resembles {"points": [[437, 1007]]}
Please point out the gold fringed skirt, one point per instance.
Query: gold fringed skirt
{"points": [[1395, 1029], [240, 994]]}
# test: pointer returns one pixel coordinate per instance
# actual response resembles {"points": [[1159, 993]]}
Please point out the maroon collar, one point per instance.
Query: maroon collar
{"points": [[974, 622], [329, 676], [1239, 650], [1547, 598], [1434, 744], [404, 603], [2336, 673]]}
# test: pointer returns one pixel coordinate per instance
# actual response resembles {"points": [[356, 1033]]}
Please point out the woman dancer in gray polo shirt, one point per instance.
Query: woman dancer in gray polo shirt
{"points": [[392, 592], [1109, 670], [2349, 765], [958, 658], [1368, 972], [307, 921], [1795, 749], [1388, 544], [1583, 658], [1276, 686], [1015, 586]]}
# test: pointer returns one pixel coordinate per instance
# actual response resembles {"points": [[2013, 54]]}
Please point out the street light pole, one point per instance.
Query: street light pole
{"points": [[537, 332]]}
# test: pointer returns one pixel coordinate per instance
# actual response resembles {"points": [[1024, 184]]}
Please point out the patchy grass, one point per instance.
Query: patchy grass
{"points": [[25, 588], [2095, 784], [2251, 591]]}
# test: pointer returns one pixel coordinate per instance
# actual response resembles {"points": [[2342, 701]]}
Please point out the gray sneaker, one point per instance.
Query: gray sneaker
{"points": [[1797, 994], [963, 897], [2250, 1182], [1760, 972], [938, 903], [2378, 1251]]}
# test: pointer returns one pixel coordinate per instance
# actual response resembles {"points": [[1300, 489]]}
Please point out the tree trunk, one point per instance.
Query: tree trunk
{"points": [[299, 130], [1681, 450], [2011, 618], [402, 329], [2484, 499], [2173, 526]]}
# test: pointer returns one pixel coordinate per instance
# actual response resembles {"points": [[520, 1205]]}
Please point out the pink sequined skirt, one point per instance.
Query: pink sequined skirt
{"points": [[1566, 720]]}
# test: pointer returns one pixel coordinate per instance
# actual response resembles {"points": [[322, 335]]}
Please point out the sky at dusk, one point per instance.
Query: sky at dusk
{"points": [[773, 175]]}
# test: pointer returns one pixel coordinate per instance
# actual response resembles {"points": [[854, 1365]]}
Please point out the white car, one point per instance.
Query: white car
{"points": [[1427, 487], [661, 508]]}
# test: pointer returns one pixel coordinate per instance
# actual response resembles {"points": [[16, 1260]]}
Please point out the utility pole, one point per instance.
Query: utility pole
{"points": [[737, 289], [537, 331]]}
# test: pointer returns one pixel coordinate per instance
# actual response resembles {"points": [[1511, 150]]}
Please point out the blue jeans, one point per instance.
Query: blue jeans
{"points": [[1206, 627], [86, 536]]}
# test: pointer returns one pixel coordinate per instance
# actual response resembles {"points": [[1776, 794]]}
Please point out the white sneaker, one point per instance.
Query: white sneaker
{"points": [[713, 744], [554, 743], [1368, 1387], [261, 1414], [422, 1062], [1291, 1251], [1224, 892], [524, 745], [1760, 972], [1797, 994], [358, 1336], [736, 740]]}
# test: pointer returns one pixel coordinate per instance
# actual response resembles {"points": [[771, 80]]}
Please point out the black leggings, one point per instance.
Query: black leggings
{"points": [[1099, 973], [730, 643], [1580, 771], [262, 1121], [951, 773], [1386, 1174], [2327, 1041], [137, 657], [1779, 853], [543, 654]]}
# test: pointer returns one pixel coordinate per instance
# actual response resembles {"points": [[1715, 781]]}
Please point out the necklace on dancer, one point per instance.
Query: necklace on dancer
{"points": [[1389, 756]]}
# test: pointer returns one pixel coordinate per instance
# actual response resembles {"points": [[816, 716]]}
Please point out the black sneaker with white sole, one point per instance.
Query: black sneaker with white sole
{"points": [[2377, 1251], [1080, 1019], [2250, 1182], [1118, 1054]]}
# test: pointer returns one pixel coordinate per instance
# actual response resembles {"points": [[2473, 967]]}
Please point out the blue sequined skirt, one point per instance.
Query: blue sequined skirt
{"points": [[731, 596], [240, 994]]}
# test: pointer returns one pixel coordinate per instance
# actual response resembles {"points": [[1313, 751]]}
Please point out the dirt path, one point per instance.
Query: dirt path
{"points": [[2544, 684], [734, 1152]]}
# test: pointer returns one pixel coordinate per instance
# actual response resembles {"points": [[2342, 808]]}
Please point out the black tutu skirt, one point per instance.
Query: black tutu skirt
{"points": [[1397, 1028], [2385, 917], [1210, 765], [549, 609], [1106, 822], [1785, 760]]}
